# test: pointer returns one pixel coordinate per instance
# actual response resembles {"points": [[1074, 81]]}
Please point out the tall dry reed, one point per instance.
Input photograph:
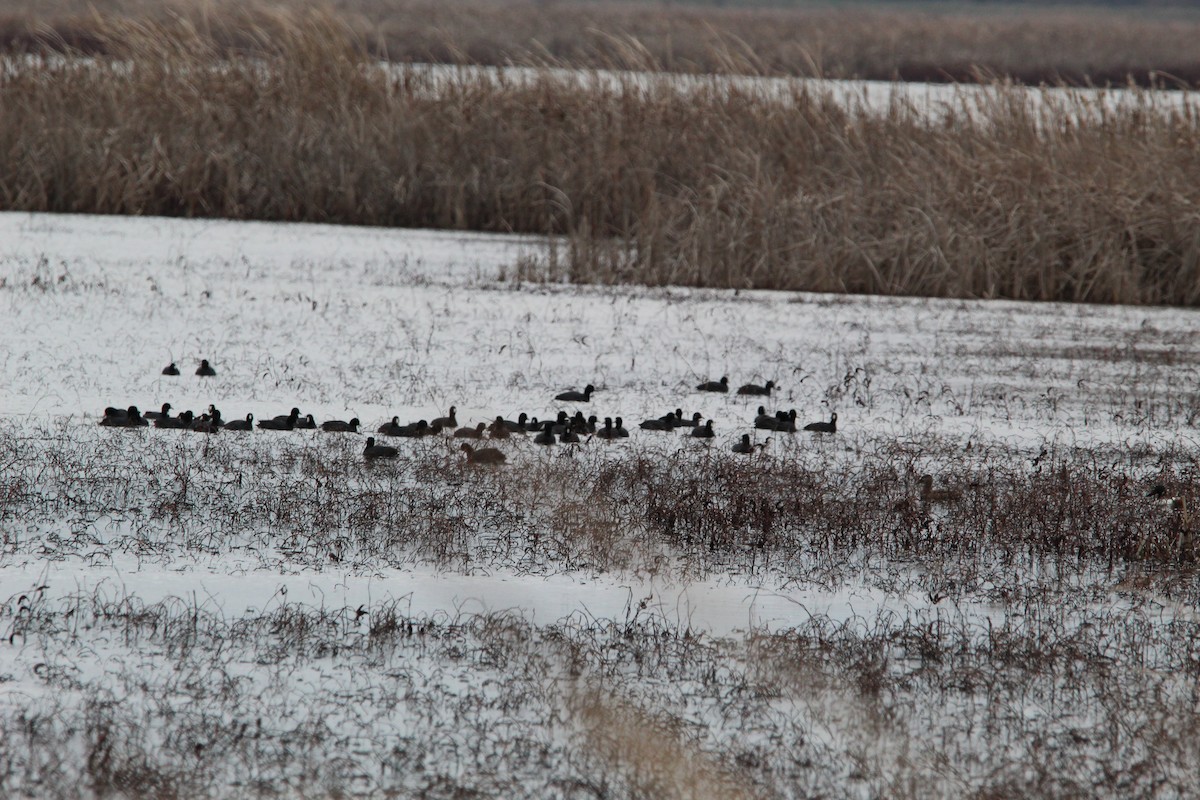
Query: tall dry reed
{"points": [[1031, 44], [1010, 194]]}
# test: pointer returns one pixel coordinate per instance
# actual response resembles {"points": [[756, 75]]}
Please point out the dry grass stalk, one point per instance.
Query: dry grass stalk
{"points": [[1009, 195]]}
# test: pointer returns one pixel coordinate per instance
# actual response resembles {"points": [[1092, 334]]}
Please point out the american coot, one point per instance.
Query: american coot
{"points": [[214, 414], [533, 425], [306, 423], [607, 432], [573, 396], [515, 427], [744, 447], [499, 430], [484, 455], [570, 437], [288, 423], [823, 427], [715, 386], [170, 369], [163, 414], [184, 420], [786, 423], [207, 423], [755, 389], [619, 429], [205, 370], [414, 430], [470, 433], [931, 495], [450, 421], [546, 437], [561, 424], [240, 424], [764, 421], [340, 426], [656, 424], [372, 450], [129, 418], [390, 428], [704, 431], [673, 419], [293, 414]]}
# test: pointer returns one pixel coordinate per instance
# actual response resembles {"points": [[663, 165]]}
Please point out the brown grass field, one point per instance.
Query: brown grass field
{"points": [[1009, 194], [1078, 44]]}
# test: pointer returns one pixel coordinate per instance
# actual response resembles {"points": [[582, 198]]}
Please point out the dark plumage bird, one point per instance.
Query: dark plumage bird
{"points": [[170, 369], [656, 424], [744, 447], [206, 424], [415, 430], [715, 386], [156, 415], [673, 419], [205, 369], [293, 414], [450, 421], [823, 427], [546, 437], [390, 428], [786, 422], [607, 432], [755, 389], [484, 455], [619, 428], [704, 431], [372, 450], [240, 424], [470, 433], [533, 425], [499, 430], [514, 427], [570, 437], [340, 426], [129, 418], [184, 420], [306, 423], [573, 396], [561, 424], [288, 423]]}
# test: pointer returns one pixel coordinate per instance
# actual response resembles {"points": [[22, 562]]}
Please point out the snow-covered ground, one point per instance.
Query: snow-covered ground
{"points": [[373, 323]]}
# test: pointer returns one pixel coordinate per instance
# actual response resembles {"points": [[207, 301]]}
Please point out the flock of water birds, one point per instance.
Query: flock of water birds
{"points": [[564, 428]]}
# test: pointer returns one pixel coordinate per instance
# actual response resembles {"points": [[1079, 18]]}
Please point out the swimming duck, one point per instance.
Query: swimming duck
{"points": [[755, 389], [715, 386], [170, 369], [288, 423], [184, 420], [470, 433], [704, 431], [156, 415], [246, 424], [573, 396], [823, 427], [372, 450], [744, 447], [450, 421], [205, 369], [484, 455], [340, 426]]}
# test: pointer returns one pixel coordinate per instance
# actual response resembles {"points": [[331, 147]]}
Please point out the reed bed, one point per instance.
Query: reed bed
{"points": [[1006, 194], [1081, 45]]}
